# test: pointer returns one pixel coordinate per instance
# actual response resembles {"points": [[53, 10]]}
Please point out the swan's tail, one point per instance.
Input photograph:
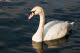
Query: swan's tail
{"points": [[72, 23]]}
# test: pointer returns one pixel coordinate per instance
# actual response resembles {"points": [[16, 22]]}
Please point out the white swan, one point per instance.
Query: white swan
{"points": [[52, 30]]}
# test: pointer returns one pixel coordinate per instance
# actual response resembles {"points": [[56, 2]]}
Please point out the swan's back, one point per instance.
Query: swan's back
{"points": [[50, 24], [56, 29]]}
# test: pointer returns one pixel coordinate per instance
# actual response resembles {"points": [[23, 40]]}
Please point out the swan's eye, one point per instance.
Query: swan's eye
{"points": [[32, 12]]}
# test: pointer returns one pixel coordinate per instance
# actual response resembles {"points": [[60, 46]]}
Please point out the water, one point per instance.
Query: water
{"points": [[16, 30]]}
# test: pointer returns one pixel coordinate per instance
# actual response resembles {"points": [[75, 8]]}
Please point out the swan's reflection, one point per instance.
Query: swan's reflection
{"points": [[50, 44], [38, 46], [56, 43]]}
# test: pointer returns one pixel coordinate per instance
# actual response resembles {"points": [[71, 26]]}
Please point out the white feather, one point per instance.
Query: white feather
{"points": [[52, 30]]}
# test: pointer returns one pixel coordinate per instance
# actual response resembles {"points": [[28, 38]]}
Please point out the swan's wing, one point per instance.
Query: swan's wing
{"points": [[50, 24], [57, 29]]}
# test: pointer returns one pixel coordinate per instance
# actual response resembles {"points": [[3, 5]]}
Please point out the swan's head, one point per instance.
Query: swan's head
{"points": [[35, 11]]}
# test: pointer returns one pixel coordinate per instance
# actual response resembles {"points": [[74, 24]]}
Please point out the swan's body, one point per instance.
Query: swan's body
{"points": [[56, 29], [50, 31]]}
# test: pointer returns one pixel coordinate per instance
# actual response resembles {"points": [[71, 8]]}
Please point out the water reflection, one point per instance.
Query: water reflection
{"points": [[49, 44], [56, 43], [16, 33], [38, 46]]}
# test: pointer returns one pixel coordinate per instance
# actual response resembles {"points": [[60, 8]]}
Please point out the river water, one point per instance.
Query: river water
{"points": [[16, 30]]}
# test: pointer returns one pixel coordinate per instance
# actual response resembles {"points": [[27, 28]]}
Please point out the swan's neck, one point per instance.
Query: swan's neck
{"points": [[41, 24], [38, 36]]}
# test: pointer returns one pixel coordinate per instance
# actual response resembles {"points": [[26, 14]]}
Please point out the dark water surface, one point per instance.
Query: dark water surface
{"points": [[16, 30]]}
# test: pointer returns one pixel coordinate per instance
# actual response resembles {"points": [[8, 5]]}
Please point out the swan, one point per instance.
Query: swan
{"points": [[50, 31]]}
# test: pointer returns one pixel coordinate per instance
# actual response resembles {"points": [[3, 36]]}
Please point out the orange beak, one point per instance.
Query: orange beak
{"points": [[31, 15]]}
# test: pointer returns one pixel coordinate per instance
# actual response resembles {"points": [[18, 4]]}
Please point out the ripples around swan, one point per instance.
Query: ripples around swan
{"points": [[16, 30], [41, 47]]}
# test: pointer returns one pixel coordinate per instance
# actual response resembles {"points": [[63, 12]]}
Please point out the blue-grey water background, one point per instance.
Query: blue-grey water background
{"points": [[16, 30]]}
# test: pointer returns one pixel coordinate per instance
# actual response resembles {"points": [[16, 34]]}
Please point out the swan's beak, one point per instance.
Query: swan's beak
{"points": [[31, 15]]}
